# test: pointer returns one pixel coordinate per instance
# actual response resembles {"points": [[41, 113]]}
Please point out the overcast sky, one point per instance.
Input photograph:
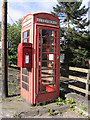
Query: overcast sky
{"points": [[19, 8]]}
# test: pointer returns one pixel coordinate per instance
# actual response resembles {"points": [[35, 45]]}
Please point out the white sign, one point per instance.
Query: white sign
{"points": [[46, 21], [51, 56], [27, 59]]}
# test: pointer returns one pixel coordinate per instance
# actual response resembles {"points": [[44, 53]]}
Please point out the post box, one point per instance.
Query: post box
{"points": [[24, 59], [39, 57]]}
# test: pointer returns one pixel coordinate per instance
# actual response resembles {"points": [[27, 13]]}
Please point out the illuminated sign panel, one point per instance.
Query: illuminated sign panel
{"points": [[46, 21]]}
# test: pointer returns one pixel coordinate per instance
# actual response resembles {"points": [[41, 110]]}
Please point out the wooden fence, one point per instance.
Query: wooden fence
{"points": [[86, 81]]}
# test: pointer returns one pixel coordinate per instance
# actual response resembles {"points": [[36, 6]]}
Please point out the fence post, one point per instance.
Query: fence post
{"points": [[87, 84]]}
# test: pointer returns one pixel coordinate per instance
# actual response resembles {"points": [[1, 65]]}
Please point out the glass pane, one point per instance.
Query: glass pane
{"points": [[26, 40], [47, 33], [51, 41], [26, 34], [48, 79], [45, 57], [44, 40], [44, 64], [48, 71], [25, 71], [39, 31], [51, 64], [39, 40], [25, 78], [46, 74], [45, 48], [51, 49], [25, 86]]}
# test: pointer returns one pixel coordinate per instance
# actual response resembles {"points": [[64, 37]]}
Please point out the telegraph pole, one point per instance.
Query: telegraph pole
{"points": [[4, 50]]}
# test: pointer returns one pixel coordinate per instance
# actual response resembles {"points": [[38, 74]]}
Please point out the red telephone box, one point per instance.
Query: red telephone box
{"points": [[39, 57]]}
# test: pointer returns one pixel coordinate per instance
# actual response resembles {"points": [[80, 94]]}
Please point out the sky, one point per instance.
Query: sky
{"points": [[19, 8]]}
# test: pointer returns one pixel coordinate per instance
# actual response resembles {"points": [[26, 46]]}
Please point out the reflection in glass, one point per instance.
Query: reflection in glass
{"points": [[25, 71], [47, 33], [49, 41], [39, 31], [26, 40], [26, 34], [39, 40], [44, 40]]}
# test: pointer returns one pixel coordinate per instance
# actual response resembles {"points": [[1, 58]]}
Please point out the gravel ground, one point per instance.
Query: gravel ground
{"points": [[15, 107]]}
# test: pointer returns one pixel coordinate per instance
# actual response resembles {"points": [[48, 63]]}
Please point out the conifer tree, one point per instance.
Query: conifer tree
{"points": [[73, 28]]}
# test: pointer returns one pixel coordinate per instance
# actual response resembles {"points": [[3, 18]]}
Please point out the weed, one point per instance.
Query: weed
{"points": [[12, 84], [44, 103], [72, 107], [15, 79], [64, 101], [58, 104], [51, 112], [59, 99], [80, 112], [10, 74], [17, 87], [10, 93], [84, 108], [20, 100], [44, 107], [59, 112], [71, 101], [16, 116], [38, 104]]}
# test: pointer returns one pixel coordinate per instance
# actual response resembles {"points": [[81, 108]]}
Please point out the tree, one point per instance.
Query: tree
{"points": [[14, 37], [72, 15]]}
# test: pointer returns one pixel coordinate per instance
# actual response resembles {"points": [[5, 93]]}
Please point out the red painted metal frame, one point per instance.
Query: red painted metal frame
{"points": [[42, 97], [32, 96]]}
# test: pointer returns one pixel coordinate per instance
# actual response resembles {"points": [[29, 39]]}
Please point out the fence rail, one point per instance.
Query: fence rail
{"points": [[86, 81]]}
